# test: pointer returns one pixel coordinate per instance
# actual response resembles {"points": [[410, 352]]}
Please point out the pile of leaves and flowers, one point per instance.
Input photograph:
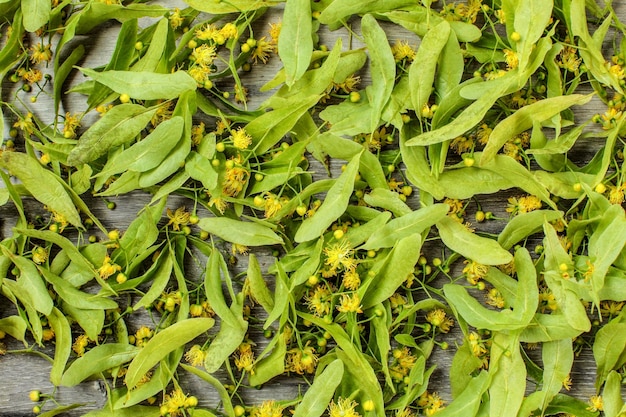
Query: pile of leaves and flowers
{"points": [[370, 269]]}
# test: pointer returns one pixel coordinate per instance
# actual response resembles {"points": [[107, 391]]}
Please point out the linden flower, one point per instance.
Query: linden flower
{"points": [[511, 59], [318, 300], [208, 32], [107, 269], [301, 361], [40, 53], [440, 320], [241, 139], [495, 299], [174, 403], [269, 408], [204, 54], [275, 31], [351, 279], [80, 344], [596, 403], [72, 121], [176, 19], [40, 255], [350, 304], [431, 403], [234, 180], [262, 50], [402, 50], [178, 218], [229, 31], [474, 271], [33, 75], [244, 358], [195, 356], [344, 407], [26, 124], [339, 255]]}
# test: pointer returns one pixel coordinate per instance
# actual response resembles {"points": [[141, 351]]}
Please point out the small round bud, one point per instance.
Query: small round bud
{"points": [[124, 98], [258, 176], [111, 205], [338, 234], [437, 262], [516, 37], [36, 409], [192, 44], [239, 411], [600, 188], [468, 161], [121, 278], [139, 45], [368, 405], [34, 395], [301, 210], [577, 187], [312, 280], [480, 216], [245, 48], [355, 96], [114, 234], [194, 219]]}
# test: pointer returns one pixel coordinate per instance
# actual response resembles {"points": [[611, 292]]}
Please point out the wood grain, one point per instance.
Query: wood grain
{"points": [[20, 373]]}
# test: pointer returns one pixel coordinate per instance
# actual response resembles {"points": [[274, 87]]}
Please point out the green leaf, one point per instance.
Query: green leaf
{"points": [[524, 225], [135, 410], [36, 13], [333, 206], [399, 264], [318, 396], [164, 342], [295, 43], [232, 332], [31, 281], [144, 85], [388, 200], [480, 249], [608, 348], [508, 373], [231, 6], [118, 126], [523, 119], [158, 282], [258, 286], [147, 153], [224, 395], [15, 326], [271, 365], [97, 360], [415, 222], [42, 184], [382, 67], [468, 401], [422, 69], [72, 295], [531, 19], [248, 233], [63, 344]]}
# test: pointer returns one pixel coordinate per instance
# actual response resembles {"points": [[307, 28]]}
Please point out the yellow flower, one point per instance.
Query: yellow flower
{"points": [[72, 121], [107, 269], [301, 361], [344, 407], [269, 408], [199, 73], [229, 31], [430, 403], [241, 139], [195, 355], [80, 344], [176, 19], [275, 31], [40, 53], [208, 32], [244, 358], [596, 403], [616, 194], [26, 124], [511, 59], [318, 300], [439, 319], [204, 54], [568, 59], [174, 403], [402, 50], [339, 255], [462, 144], [33, 75], [178, 218], [220, 204], [474, 271], [350, 303], [40, 255], [494, 298], [351, 279], [234, 180], [262, 50], [241, 93]]}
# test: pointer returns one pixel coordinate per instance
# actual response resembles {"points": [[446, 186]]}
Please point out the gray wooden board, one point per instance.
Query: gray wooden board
{"points": [[20, 373]]}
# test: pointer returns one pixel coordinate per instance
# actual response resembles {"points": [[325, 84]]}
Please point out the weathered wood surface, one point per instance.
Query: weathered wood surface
{"points": [[20, 373]]}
